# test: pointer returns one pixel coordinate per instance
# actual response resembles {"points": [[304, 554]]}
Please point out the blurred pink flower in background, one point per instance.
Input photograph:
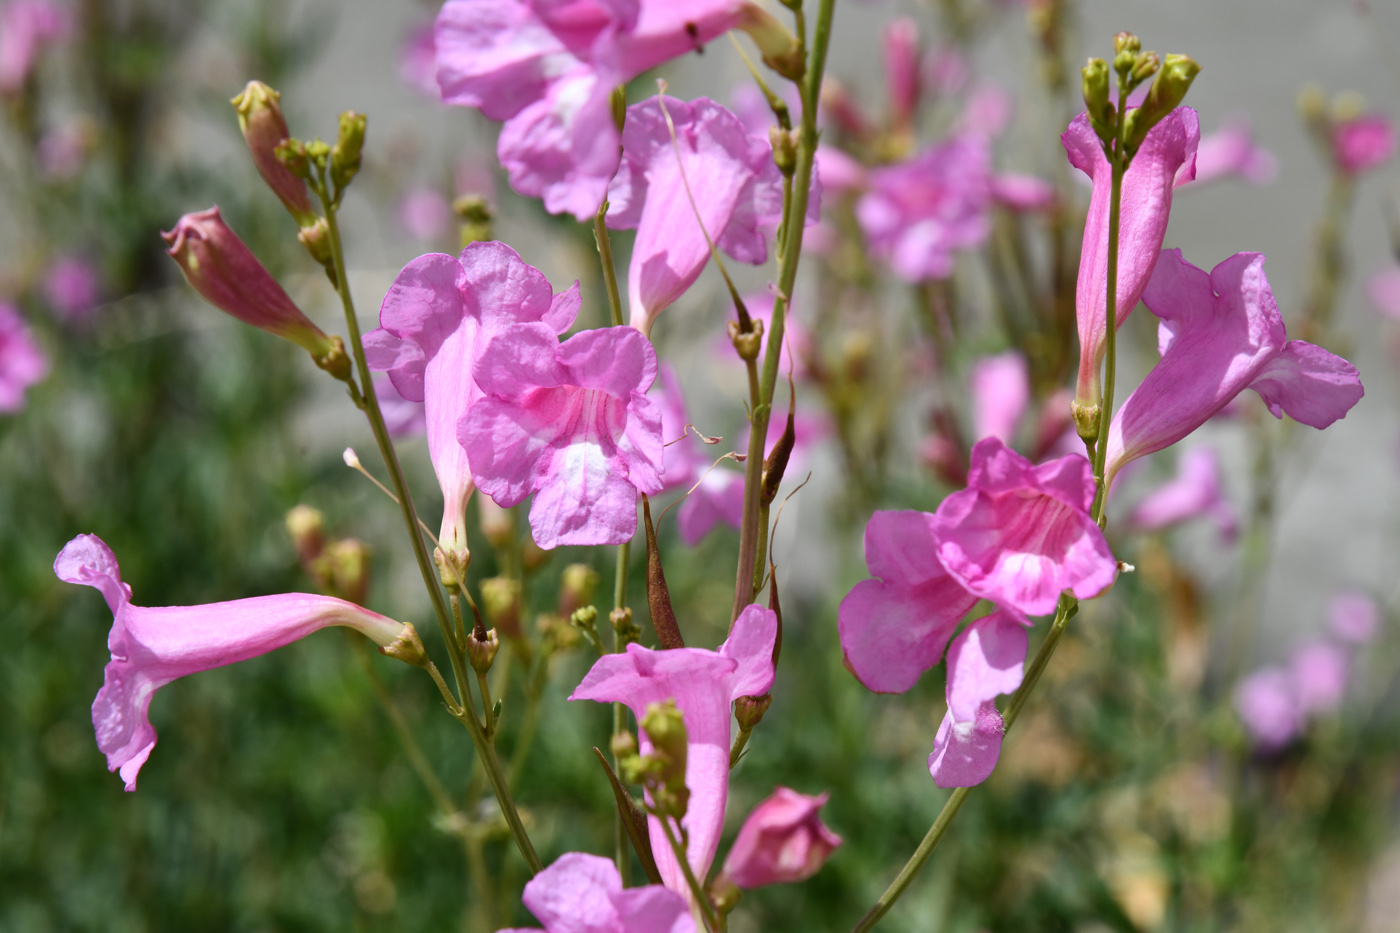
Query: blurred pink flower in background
{"points": [[418, 62], [424, 214], [1364, 143], [1231, 151], [1384, 290], [22, 363], [944, 70], [1353, 617], [71, 287], [63, 150], [1268, 707], [900, 42], [26, 26], [1319, 671], [1194, 491], [783, 840], [1001, 389]]}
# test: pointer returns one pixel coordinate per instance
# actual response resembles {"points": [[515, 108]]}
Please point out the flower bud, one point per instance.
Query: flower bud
{"points": [[1126, 42], [348, 562], [778, 46], [784, 143], [748, 344], [577, 588], [1168, 91], [623, 744], [665, 728], [475, 214], [782, 841], [748, 711], [1145, 67], [481, 652], [626, 630], [585, 621], [617, 101], [264, 129], [500, 599], [292, 153], [1086, 419], [1096, 89], [316, 237], [408, 647], [228, 276], [345, 154], [306, 526]]}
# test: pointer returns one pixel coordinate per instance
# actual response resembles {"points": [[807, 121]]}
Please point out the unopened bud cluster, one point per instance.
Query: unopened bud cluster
{"points": [[1128, 129]]}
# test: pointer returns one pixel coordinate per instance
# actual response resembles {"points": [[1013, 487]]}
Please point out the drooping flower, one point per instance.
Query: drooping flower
{"points": [[703, 684], [735, 186], [1001, 387], [71, 287], [1353, 617], [22, 363], [986, 660], [26, 26], [1020, 534], [583, 893], [782, 841], [1168, 151], [917, 214], [571, 423], [1362, 144], [434, 323], [1268, 707], [1227, 152], [1194, 491], [153, 646], [1319, 671], [1222, 333]]}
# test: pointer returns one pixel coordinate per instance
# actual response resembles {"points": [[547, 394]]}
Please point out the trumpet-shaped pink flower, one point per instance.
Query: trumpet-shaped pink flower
{"points": [[1001, 390], [737, 193], [1168, 153], [571, 423], [1194, 491], [782, 841], [22, 363], [26, 26], [582, 893], [434, 323], [704, 684], [917, 214], [151, 647], [986, 660], [1230, 151], [1222, 333], [1362, 144], [1268, 706], [1020, 534], [1353, 617]]}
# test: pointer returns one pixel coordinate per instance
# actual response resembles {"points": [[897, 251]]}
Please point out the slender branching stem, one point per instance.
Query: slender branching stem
{"points": [[712, 921]]}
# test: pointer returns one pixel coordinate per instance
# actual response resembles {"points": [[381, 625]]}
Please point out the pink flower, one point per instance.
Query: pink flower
{"points": [[1222, 333], [704, 684], [1230, 150], [1022, 192], [901, 53], [1319, 671], [152, 647], [1001, 389], [1364, 143], [736, 187], [1353, 617], [26, 26], [986, 660], [782, 841], [228, 276], [434, 323], [917, 214], [1020, 534], [22, 363], [418, 62], [1195, 491], [582, 893], [71, 287], [838, 171], [1384, 290], [1146, 204], [424, 214], [571, 423], [1268, 707]]}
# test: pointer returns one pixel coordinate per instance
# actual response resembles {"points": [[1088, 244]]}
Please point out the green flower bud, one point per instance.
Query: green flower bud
{"points": [[345, 155], [481, 652], [349, 564], [1168, 91], [665, 727], [577, 587], [1096, 90], [306, 526], [1086, 420]]}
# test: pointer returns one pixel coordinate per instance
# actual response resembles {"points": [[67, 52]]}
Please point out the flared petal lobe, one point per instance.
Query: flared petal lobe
{"points": [[988, 659], [583, 893]]}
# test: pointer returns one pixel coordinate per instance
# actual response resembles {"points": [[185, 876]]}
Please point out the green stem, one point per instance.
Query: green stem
{"points": [[712, 921], [621, 853], [1120, 166], [795, 209], [600, 236]]}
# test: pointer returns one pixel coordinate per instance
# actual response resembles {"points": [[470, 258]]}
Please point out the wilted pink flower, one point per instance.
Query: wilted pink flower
{"points": [[1353, 617], [434, 323], [152, 647], [22, 363], [1020, 534], [1001, 389], [782, 841], [1146, 204], [1384, 289], [424, 213], [1268, 707], [582, 893], [228, 276], [571, 423], [986, 660], [1222, 333], [26, 26], [737, 193], [1364, 143], [1194, 491], [402, 417], [704, 684], [418, 62], [900, 42], [917, 214], [1319, 671], [70, 286], [1229, 151]]}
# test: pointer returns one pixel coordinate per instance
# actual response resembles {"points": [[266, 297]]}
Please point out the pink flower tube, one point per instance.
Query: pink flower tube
{"points": [[434, 322], [22, 363], [582, 893], [1221, 333], [1146, 204], [704, 684], [151, 647], [782, 841]]}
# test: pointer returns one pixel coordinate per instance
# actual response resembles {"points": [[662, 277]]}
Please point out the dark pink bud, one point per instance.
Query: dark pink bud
{"points": [[264, 129], [1364, 143], [228, 276], [782, 841]]}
